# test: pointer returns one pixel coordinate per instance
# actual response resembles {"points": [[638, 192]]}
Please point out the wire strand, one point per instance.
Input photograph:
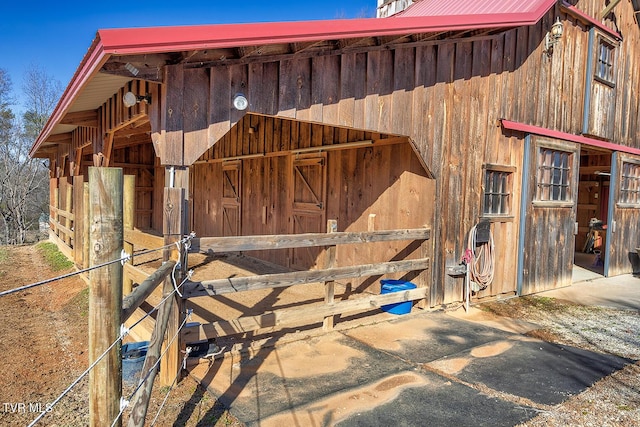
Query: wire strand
{"points": [[157, 307], [94, 267], [74, 383], [175, 380]]}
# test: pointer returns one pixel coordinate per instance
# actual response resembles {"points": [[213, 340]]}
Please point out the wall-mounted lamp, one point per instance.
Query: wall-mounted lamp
{"points": [[240, 102], [553, 36], [130, 99]]}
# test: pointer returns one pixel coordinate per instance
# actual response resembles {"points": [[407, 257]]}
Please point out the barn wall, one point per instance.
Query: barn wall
{"points": [[448, 97], [378, 188]]}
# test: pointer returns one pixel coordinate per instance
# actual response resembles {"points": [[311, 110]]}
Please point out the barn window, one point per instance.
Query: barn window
{"points": [[554, 175], [498, 186], [630, 185], [605, 65]]}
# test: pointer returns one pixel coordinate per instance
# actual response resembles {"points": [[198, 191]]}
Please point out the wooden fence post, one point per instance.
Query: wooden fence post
{"points": [[105, 294], [129, 208], [329, 287], [167, 321], [129, 201], [68, 207], [174, 213], [86, 225]]}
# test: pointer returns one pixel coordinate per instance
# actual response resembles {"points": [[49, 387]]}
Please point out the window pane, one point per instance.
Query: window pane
{"points": [[496, 191], [553, 175], [630, 184]]}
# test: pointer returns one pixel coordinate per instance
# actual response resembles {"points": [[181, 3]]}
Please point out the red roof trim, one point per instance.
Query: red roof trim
{"points": [[90, 65], [572, 10], [477, 7], [166, 39], [159, 39], [521, 127]]}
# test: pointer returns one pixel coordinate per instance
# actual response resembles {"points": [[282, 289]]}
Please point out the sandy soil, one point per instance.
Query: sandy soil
{"points": [[43, 349]]}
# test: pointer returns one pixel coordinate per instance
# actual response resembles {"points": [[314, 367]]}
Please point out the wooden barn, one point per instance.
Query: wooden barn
{"points": [[523, 117]]}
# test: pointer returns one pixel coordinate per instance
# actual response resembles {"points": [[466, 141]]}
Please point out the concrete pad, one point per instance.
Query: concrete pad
{"points": [[622, 292], [296, 374], [336, 407], [425, 337], [542, 372], [441, 403]]}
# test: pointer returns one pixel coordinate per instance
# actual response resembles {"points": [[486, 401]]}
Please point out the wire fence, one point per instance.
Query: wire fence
{"points": [[183, 244], [124, 258]]}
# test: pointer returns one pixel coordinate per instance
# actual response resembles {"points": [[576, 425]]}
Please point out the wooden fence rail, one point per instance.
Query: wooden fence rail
{"points": [[135, 299], [278, 318], [328, 276], [266, 242], [278, 280]]}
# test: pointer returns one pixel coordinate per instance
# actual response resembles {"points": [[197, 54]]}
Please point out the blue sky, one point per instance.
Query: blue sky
{"points": [[56, 35]]}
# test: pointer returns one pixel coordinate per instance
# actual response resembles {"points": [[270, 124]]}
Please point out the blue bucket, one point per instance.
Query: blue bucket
{"points": [[391, 285], [133, 355]]}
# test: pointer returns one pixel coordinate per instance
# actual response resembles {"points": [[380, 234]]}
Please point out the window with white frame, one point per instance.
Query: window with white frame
{"points": [[630, 184], [553, 179]]}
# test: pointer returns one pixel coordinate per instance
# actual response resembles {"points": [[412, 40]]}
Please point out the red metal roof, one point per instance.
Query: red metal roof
{"points": [[475, 7], [580, 139], [172, 39]]}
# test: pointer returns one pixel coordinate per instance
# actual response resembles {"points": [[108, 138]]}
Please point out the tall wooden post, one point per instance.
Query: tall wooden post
{"points": [[175, 220], [129, 201], [329, 287], [129, 208], [68, 207], [86, 225], [105, 293]]}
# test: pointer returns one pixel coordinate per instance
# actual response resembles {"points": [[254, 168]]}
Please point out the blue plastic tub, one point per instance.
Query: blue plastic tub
{"points": [[391, 285], [133, 355]]}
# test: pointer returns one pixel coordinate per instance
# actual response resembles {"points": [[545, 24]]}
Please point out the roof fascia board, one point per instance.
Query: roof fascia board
{"points": [[574, 11], [90, 65], [162, 39], [536, 130]]}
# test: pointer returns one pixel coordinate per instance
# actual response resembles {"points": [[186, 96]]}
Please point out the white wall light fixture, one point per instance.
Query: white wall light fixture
{"points": [[130, 99], [553, 36], [240, 102]]}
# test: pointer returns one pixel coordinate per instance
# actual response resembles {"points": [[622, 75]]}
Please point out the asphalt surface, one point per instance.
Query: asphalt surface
{"points": [[424, 368]]}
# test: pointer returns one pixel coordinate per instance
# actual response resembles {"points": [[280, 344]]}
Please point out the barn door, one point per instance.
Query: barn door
{"points": [[231, 201], [549, 221], [309, 205], [623, 228]]}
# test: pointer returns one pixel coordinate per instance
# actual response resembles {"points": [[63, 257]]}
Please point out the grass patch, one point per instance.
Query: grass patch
{"points": [[56, 260], [80, 302], [4, 255], [518, 307]]}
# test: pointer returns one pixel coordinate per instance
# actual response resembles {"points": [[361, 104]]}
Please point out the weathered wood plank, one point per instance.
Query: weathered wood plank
{"points": [[173, 117], [255, 243], [132, 301], [269, 281], [294, 316], [141, 239], [196, 116]]}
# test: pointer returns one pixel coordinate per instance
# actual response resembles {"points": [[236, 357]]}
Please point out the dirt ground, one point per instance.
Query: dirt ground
{"points": [[43, 348]]}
